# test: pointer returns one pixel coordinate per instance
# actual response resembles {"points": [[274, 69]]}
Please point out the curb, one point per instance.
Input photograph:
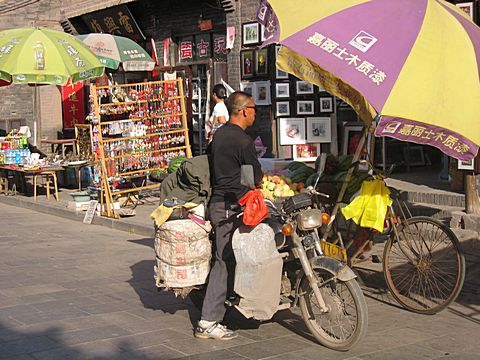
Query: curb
{"points": [[78, 216]]}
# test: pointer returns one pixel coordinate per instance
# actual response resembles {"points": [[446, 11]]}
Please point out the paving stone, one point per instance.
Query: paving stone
{"points": [[25, 345], [224, 354], [154, 352], [266, 348], [92, 350], [92, 334], [403, 353], [147, 339]]}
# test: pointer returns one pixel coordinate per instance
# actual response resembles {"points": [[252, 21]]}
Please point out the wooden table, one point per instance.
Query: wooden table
{"points": [[63, 143], [20, 172]]}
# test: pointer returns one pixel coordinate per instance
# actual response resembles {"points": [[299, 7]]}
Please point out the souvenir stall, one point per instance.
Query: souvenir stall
{"points": [[137, 129]]}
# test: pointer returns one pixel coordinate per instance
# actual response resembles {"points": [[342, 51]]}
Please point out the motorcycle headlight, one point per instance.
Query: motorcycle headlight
{"points": [[309, 219]]}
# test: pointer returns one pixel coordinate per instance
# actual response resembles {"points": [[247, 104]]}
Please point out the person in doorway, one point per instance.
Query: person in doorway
{"points": [[220, 114], [231, 148]]}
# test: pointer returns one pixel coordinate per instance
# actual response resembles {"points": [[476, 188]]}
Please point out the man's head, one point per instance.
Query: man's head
{"points": [[241, 108]]}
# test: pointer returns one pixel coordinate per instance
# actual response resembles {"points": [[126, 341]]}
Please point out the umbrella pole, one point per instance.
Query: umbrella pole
{"points": [[35, 114]]}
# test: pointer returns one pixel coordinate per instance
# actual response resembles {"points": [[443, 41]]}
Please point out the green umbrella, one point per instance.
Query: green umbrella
{"points": [[114, 50], [45, 56]]}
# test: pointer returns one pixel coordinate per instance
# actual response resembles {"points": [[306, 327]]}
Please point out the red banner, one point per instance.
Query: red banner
{"points": [[73, 105]]}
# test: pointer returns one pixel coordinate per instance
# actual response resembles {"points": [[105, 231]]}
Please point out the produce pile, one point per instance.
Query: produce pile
{"points": [[292, 183]]}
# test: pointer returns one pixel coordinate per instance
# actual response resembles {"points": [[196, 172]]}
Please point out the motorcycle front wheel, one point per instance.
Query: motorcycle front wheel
{"points": [[346, 321]]}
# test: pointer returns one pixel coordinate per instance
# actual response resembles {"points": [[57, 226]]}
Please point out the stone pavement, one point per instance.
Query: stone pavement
{"points": [[75, 291]]}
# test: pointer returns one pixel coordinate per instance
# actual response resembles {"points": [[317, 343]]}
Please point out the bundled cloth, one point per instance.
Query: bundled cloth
{"points": [[183, 252], [370, 207]]}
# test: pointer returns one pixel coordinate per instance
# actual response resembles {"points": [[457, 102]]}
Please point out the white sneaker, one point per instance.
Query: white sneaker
{"points": [[215, 330]]}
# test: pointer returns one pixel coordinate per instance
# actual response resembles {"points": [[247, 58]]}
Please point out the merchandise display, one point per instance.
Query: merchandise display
{"points": [[14, 149], [137, 129]]}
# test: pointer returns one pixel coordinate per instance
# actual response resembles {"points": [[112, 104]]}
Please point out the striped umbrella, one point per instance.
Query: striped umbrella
{"points": [[414, 62], [114, 50]]}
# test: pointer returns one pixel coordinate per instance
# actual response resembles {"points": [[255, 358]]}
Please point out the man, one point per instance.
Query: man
{"points": [[230, 149]]}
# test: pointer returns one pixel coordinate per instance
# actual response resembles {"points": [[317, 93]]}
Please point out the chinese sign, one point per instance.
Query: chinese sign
{"points": [[202, 47], [116, 20], [377, 76], [448, 141], [73, 105]]}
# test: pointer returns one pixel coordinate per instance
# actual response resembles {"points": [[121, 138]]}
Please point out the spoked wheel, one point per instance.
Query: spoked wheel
{"points": [[345, 323], [424, 268]]}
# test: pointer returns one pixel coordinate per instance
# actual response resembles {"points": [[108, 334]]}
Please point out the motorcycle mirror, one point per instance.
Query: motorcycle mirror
{"points": [[321, 168], [246, 176]]}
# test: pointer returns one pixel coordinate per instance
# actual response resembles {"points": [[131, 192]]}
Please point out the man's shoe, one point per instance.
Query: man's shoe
{"points": [[214, 331]]}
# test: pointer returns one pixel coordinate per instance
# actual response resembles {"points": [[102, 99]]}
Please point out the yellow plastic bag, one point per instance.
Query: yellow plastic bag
{"points": [[370, 207]]}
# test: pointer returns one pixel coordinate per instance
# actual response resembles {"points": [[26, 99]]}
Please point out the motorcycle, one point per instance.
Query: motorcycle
{"points": [[296, 273]]}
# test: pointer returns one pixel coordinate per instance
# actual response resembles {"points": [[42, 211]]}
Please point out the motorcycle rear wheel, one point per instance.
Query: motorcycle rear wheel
{"points": [[345, 324]]}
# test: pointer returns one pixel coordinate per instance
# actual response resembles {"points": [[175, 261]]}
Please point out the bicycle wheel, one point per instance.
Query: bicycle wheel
{"points": [[424, 268]]}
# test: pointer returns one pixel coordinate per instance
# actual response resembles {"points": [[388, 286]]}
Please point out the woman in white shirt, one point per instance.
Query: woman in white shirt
{"points": [[219, 114]]}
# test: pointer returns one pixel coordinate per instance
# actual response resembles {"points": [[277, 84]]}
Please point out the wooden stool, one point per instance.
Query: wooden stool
{"points": [[47, 175]]}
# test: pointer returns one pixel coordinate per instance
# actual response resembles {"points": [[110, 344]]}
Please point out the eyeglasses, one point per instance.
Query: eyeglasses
{"points": [[254, 107]]}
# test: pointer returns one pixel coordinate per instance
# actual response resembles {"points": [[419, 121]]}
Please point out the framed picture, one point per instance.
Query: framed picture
{"points": [[282, 90], [413, 155], [250, 33], [320, 89], [262, 93], [305, 107], [279, 74], [248, 87], [306, 152], [466, 165], [282, 108], [352, 133], [247, 63], [326, 104], [262, 33], [467, 7], [319, 130], [292, 131], [261, 62], [304, 87]]}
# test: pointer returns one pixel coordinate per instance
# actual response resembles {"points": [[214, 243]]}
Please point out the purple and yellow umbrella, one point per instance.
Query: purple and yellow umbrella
{"points": [[413, 63]]}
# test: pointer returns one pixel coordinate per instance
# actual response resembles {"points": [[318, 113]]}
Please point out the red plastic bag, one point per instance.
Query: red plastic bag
{"points": [[255, 208]]}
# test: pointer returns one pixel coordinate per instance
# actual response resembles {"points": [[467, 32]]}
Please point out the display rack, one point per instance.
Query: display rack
{"points": [[140, 129]]}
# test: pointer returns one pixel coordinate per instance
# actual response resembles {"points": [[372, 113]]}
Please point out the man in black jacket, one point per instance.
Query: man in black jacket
{"points": [[231, 148]]}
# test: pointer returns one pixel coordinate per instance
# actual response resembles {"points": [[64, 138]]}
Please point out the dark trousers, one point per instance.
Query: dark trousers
{"points": [[222, 273]]}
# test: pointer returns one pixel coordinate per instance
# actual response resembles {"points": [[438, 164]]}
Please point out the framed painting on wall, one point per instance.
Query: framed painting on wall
{"points": [[319, 130], [352, 133], [326, 104], [305, 107], [261, 62], [282, 108], [250, 33], [262, 93], [304, 87], [292, 131], [282, 90], [247, 63], [306, 152]]}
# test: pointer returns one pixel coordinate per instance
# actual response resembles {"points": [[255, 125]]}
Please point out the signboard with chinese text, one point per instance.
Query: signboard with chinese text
{"points": [[116, 20], [220, 46], [73, 106], [203, 48]]}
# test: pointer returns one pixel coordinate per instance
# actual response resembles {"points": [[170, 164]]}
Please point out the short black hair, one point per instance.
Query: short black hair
{"points": [[220, 91], [237, 102]]}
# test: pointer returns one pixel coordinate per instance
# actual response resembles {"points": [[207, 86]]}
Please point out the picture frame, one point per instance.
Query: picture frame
{"points": [[262, 93], [305, 152], [319, 130], [352, 133], [305, 107], [247, 63], [282, 90], [466, 164], [304, 87], [466, 7], [261, 61], [292, 131], [279, 74], [250, 33], [282, 108], [249, 88], [413, 155], [262, 33], [326, 104]]}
